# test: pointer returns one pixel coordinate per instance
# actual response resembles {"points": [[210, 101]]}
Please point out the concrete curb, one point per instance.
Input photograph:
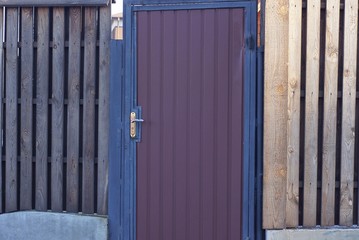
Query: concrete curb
{"points": [[314, 234], [32, 225]]}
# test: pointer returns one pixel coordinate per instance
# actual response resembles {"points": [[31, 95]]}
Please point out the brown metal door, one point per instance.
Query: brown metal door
{"points": [[190, 87]]}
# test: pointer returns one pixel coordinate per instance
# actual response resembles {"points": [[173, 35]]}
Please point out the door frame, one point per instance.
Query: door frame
{"points": [[124, 212]]}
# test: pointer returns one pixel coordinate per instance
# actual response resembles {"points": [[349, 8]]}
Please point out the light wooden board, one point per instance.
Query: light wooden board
{"points": [[42, 96], [27, 53], [11, 110], [330, 112], [57, 132], [348, 113], [311, 114], [88, 187], [104, 93], [73, 115], [275, 115], [293, 124]]}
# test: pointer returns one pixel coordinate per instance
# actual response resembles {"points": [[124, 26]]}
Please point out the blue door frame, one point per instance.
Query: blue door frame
{"points": [[123, 100]]}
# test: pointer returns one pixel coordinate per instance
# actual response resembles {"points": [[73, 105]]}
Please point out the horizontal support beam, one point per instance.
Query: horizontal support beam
{"points": [[35, 102], [49, 159], [52, 3], [51, 44]]}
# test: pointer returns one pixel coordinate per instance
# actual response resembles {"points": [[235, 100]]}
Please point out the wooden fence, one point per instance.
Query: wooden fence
{"points": [[54, 71], [311, 115]]}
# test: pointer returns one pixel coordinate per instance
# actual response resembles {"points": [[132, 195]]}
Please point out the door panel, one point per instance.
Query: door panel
{"points": [[190, 87]]}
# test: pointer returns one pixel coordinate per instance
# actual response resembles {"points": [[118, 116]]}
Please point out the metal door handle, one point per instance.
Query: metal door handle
{"points": [[137, 120], [133, 127]]}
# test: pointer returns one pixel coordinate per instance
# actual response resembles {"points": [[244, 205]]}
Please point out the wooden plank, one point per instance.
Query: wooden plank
{"points": [[293, 124], [57, 132], [348, 113], [1, 107], [73, 116], [89, 112], [330, 112], [51, 3], [104, 93], [311, 114], [42, 96], [27, 39], [11, 110], [275, 115]]}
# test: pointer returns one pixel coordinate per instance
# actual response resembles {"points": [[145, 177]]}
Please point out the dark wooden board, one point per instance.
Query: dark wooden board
{"points": [[88, 188], [51, 3], [57, 132], [103, 129], [73, 115], [27, 38], [42, 92], [11, 110]]}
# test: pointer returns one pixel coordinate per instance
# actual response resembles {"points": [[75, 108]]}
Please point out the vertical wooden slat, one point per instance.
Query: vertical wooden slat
{"points": [[330, 112], [73, 116], [311, 114], [57, 132], [1, 106], [293, 124], [11, 110], [42, 95], [348, 111], [103, 128], [89, 111], [275, 116], [27, 38]]}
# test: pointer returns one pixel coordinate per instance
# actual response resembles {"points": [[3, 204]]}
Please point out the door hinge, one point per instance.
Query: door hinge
{"points": [[251, 43]]}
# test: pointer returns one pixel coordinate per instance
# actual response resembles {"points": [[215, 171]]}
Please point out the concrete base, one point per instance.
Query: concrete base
{"points": [[314, 234], [55, 226]]}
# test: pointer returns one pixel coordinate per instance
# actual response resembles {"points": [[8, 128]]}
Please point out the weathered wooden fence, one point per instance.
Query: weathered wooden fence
{"points": [[54, 70], [311, 114]]}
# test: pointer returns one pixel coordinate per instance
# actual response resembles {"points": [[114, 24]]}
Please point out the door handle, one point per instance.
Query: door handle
{"points": [[137, 120], [133, 124]]}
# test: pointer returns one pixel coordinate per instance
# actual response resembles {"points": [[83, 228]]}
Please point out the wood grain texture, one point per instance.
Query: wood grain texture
{"points": [[311, 114], [11, 110], [42, 95], [27, 38], [16, 3], [57, 132], [1, 107], [104, 93], [348, 113], [330, 112], [275, 116], [73, 115], [89, 112], [293, 109]]}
